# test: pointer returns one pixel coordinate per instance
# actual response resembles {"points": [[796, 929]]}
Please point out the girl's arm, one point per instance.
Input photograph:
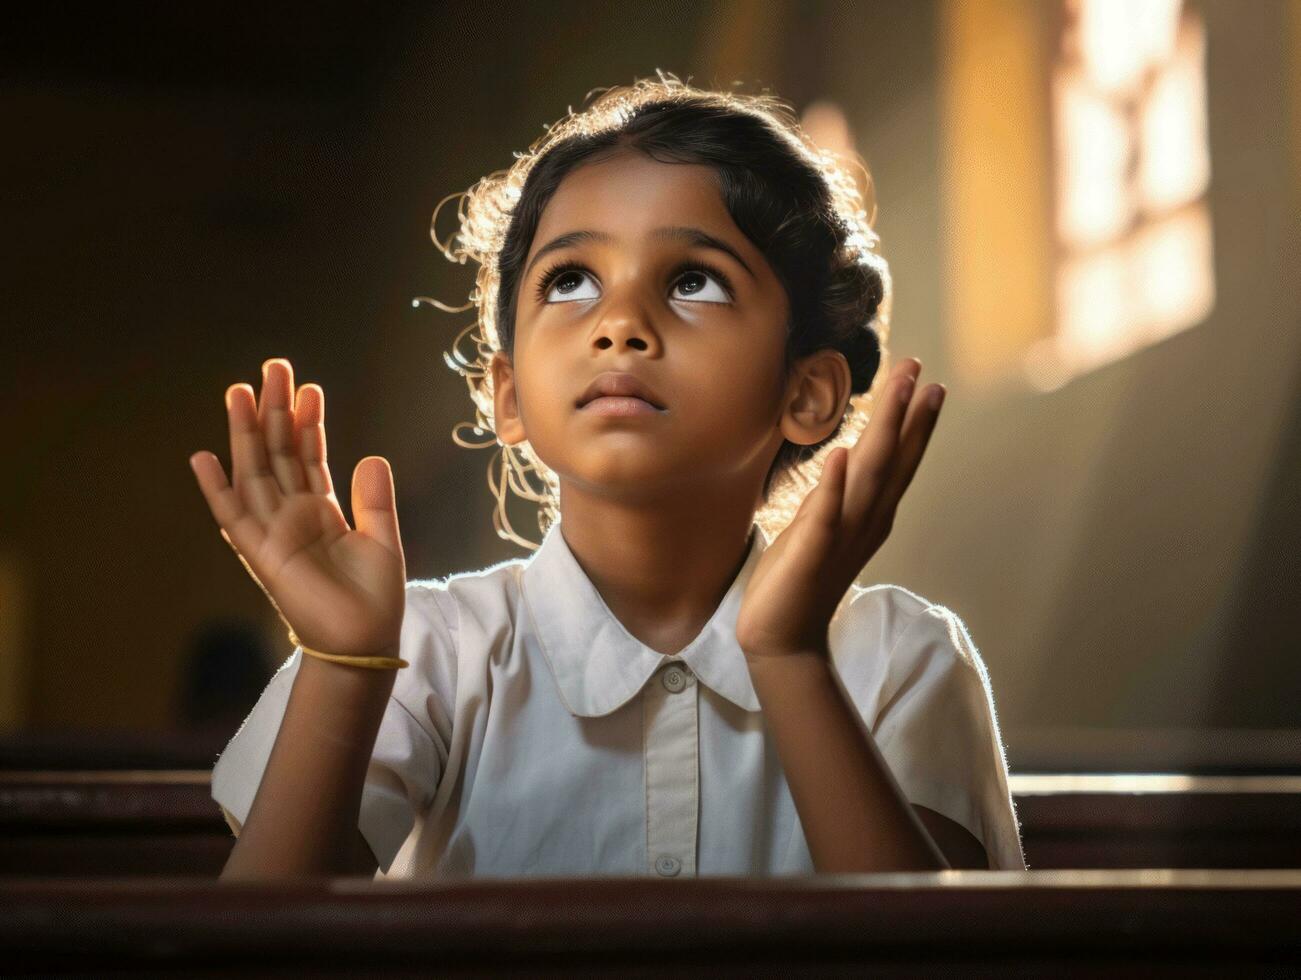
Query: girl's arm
{"points": [[342, 589], [304, 818], [854, 815]]}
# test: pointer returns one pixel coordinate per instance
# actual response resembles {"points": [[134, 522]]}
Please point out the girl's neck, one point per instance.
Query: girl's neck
{"points": [[664, 568]]}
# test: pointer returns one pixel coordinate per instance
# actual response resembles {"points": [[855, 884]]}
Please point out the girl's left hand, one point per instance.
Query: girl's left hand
{"points": [[802, 576]]}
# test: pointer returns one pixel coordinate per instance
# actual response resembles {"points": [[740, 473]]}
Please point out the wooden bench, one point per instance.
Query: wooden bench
{"points": [[150, 822], [146, 822]]}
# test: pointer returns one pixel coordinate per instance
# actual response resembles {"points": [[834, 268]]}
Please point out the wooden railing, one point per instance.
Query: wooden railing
{"points": [[1103, 923]]}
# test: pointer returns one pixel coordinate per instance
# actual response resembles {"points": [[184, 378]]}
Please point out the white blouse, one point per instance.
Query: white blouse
{"points": [[532, 735]]}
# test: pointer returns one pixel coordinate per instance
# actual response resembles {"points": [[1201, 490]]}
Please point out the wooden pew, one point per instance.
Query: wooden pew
{"points": [[128, 822], [154, 822], [1026, 923], [1159, 820]]}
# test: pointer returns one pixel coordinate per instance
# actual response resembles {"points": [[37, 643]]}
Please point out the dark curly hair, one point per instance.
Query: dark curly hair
{"points": [[796, 203]]}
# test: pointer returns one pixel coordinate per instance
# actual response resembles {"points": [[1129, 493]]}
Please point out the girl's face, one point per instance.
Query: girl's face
{"points": [[637, 267]]}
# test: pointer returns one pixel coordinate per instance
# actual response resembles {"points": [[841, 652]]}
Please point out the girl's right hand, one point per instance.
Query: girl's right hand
{"points": [[341, 590]]}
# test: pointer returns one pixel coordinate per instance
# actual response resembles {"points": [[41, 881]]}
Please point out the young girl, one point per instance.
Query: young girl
{"points": [[681, 315]]}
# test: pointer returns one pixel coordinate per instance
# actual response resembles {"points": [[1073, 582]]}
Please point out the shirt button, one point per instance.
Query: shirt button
{"points": [[675, 679], [667, 865]]}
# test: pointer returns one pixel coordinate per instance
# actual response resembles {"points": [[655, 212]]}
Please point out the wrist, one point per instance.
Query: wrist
{"points": [[769, 657], [788, 672], [348, 703], [346, 679]]}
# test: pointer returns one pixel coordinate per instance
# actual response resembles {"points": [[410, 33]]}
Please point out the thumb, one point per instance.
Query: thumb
{"points": [[374, 506], [826, 498]]}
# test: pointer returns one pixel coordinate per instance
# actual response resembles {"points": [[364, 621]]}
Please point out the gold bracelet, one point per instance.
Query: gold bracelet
{"points": [[375, 663]]}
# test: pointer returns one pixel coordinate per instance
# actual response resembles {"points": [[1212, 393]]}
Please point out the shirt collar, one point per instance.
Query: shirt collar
{"points": [[597, 663]]}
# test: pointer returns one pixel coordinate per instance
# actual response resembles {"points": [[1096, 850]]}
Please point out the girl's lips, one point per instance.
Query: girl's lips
{"points": [[619, 405]]}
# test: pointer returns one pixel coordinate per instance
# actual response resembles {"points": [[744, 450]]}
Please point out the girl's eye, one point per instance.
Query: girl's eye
{"points": [[699, 286], [567, 287], [693, 282]]}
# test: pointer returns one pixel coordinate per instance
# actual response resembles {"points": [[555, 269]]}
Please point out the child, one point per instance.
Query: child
{"points": [[681, 319]]}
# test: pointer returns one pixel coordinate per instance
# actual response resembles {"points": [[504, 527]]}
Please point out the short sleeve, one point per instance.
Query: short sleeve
{"points": [[410, 752], [937, 729]]}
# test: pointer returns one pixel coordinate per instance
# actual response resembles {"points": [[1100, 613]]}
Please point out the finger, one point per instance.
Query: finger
{"points": [[917, 430], [239, 527], [309, 423], [374, 507], [276, 416], [872, 457], [250, 471]]}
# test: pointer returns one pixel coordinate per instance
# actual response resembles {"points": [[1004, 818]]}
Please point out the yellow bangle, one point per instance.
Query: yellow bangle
{"points": [[375, 663]]}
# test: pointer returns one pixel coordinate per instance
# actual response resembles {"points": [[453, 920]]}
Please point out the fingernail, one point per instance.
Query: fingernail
{"points": [[937, 396]]}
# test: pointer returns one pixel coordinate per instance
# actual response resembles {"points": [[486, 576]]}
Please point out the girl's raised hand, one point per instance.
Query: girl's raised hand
{"points": [[802, 576], [342, 590]]}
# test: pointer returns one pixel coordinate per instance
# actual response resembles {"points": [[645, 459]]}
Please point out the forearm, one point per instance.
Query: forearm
{"points": [[303, 820], [854, 815]]}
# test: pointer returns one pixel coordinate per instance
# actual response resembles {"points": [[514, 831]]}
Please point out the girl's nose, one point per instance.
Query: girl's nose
{"points": [[625, 323]]}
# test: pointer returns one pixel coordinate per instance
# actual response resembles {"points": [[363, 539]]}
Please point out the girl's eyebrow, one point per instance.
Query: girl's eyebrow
{"points": [[690, 235]]}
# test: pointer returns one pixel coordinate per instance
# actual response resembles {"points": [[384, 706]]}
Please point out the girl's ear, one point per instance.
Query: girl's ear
{"points": [[505, 405], [816, 397]]}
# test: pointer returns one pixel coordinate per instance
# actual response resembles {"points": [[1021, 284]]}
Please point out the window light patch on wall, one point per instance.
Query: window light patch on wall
{"points": [[1131, 172]]}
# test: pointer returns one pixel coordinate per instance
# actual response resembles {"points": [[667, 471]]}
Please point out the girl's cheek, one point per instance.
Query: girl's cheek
{"points": [[702, 312], [690, 312], [560, 315]]}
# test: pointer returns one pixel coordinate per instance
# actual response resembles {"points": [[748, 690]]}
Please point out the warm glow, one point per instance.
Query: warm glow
{"points": [[1096, 317], [1174, 272], [1175, 165], [1095, 202], [826, 124], [1117, 300], [1119, 40], [996, 184], [1132, 170]]}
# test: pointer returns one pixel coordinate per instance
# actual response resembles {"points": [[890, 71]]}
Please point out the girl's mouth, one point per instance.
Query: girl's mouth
{"points": [[620, 405]]}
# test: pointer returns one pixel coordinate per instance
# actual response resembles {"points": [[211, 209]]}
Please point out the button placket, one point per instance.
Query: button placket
{"points": [[671, 742]]}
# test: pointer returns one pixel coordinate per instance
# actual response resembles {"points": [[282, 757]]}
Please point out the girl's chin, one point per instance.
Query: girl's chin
{"points": [[626, 479]]}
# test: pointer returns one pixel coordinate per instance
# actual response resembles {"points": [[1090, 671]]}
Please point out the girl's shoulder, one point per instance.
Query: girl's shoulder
{"points": [[880, 615], [920, 685], [451, 623], [486, 592], [882, 635]]}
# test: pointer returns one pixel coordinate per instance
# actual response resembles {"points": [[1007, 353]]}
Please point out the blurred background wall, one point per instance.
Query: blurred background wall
{"points": [[1096, 255]]}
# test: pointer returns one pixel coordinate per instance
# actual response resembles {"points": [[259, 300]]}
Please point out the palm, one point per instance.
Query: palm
{"points": [[342, 590], [804, 574], [343, 587]]}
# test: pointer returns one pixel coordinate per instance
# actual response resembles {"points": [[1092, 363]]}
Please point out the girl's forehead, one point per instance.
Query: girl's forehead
{"points": [[627, 200], [627, 193]]}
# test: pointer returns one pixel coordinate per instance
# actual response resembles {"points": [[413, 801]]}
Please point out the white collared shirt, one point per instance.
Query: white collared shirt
{"points": [[532, 735]]}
